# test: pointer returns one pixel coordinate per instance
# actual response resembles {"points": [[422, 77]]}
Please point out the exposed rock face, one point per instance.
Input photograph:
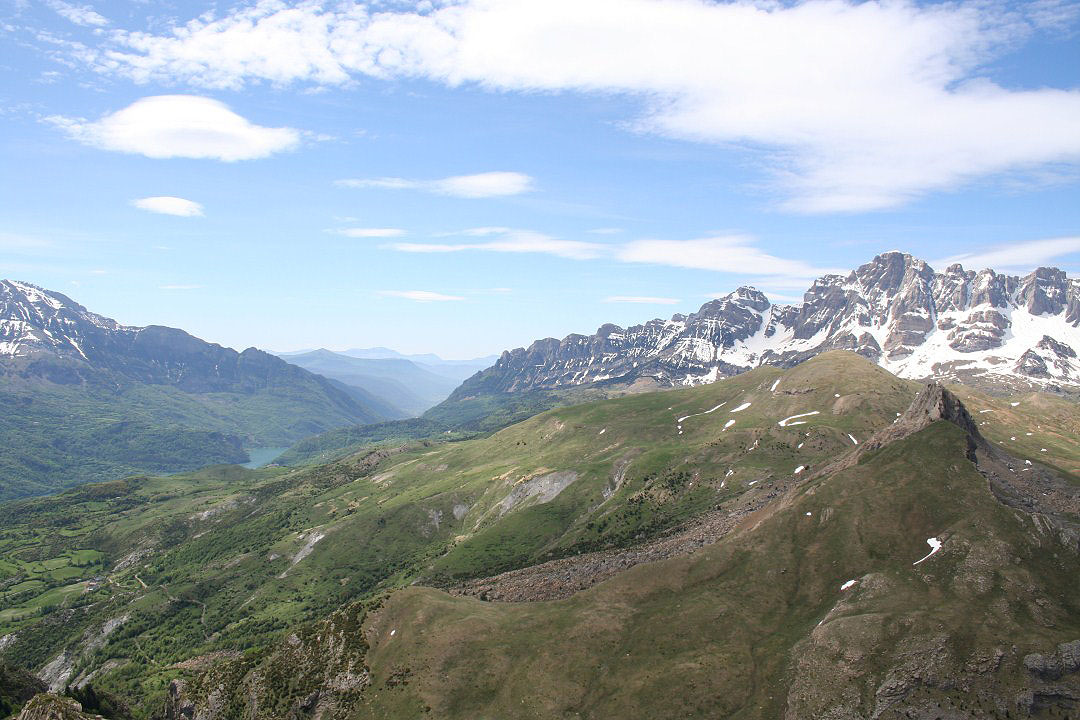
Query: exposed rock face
{"points": [[54, 707], [895, 310], [314, 672]]}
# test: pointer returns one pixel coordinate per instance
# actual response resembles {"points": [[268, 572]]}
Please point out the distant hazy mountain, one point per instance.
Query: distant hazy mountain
{"points": [[455, 369], [408, 386], [983, 327], [86, 398]]}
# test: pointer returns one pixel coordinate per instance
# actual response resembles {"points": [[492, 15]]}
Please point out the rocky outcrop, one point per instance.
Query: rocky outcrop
{"points": [[54, 707], [316, 671], [895, 310]]}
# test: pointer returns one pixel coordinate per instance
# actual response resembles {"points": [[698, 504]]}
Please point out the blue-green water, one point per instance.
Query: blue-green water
{"points": [[263, 456]]}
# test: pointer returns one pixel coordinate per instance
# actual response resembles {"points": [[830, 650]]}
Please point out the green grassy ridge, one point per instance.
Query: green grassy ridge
{"points": [[213, 548], [722, 632]]}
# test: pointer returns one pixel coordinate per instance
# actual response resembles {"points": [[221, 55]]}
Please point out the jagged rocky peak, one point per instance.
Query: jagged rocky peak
{"points": [[934, 403], [957, 324]]}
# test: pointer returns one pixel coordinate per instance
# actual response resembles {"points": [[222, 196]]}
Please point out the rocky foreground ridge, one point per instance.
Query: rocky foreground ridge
{"points": [[985, 327]]}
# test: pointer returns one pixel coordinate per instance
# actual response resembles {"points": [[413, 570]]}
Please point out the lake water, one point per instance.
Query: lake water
{"points": [[263, 456]]}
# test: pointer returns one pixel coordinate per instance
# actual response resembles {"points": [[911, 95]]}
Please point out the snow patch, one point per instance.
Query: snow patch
{"points": [[787, 420], [934, 544], [740, 408], [799, 470], [773, 388], [710, 410], [849, 583], [853, 440]]}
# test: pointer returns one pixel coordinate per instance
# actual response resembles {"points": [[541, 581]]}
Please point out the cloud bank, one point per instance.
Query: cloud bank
{"points": [[851, 106]]}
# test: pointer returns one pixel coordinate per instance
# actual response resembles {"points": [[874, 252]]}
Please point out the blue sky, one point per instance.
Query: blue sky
{"points": [[465, 177]]}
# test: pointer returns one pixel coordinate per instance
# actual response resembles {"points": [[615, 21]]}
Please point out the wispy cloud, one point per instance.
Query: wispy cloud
{"points": [[1024, 255], [179, 287], [186, 126], [730, 253], [369, 232], [735, 254], [168, 205], [78, 14], [420, 295], [641, 299], [849, 106], [480, 185], [513, 241]]}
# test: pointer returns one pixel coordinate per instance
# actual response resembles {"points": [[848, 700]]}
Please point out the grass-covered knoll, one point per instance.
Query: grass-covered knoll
{"points": [[758, 625], [129, 578]]}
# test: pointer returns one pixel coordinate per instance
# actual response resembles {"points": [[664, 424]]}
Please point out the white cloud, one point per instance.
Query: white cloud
{"points": [[188, 126], [420, 295], [851, 105], [369, 232], [480, 185], [1014, 256], [78, 14], [179, 287], [514, 241], [730, 253], [641, 299], [167, 205]]}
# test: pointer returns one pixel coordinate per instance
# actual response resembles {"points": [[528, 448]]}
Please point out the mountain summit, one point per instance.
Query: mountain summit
{"points": [[982, 327]]}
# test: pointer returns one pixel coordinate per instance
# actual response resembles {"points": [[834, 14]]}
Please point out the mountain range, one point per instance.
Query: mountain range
{"points": [[987, 328], [408, 386], [87, 398]]}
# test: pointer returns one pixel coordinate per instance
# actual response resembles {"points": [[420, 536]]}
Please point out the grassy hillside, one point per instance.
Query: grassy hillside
{"points": [[761, 625], [58, 435], [149, 580]]}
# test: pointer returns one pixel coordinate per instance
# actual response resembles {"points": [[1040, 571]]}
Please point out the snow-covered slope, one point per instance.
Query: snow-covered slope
{"points": [[33, 319], [982, 327]]}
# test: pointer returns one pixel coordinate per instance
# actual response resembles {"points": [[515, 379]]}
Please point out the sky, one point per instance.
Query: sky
{"points": [[464, 177]]}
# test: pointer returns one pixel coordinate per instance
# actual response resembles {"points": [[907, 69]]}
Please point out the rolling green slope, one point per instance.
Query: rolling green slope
{"points": [[202, 579], [763, 624]]}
